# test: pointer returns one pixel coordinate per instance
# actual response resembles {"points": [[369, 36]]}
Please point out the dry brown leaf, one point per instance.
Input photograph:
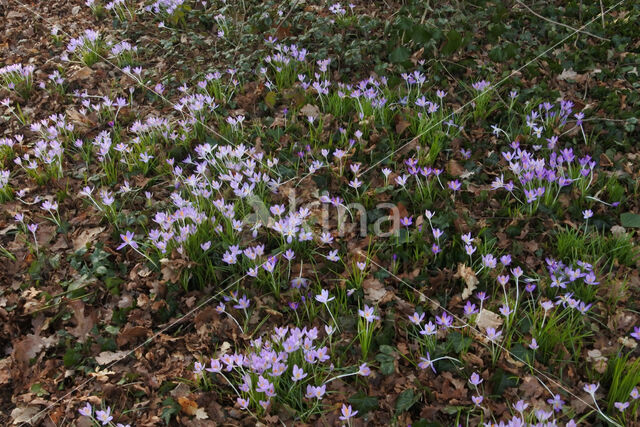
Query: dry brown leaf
{"points": [[401, 126], [27, 348], [107, 357], [131, 334], [469, 276], [310, 110], [374, 290], [488, 319], [531, 387], [86, 236], [84, 323], [567, 75], [454, 168], [172, 269], [82, 74], [599, 361], [5, 374], [201, 414], [101, 375], [25, 414]]}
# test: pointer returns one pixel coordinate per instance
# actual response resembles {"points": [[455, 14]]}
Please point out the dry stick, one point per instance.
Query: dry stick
{"points": [[139, 81], [565, 25], [295, 3], [547, 376], [492, 87]]}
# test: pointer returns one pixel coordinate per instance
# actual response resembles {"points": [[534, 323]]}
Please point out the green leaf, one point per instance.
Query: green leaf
{"points": [[399, 55], [424, 423], [170, 408], [420, 35], [38, 390], [520, 353], [387, 349], [630, 220], [270, 99], [459, 341], [502, 380], [71, 358], [406, 400], [386, 361], [363, 403], [387, 368], [454, 42]]}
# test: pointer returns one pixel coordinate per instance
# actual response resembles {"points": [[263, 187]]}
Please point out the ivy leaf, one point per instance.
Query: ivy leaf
{"points": [[630, 220], [406, 400], [399, 55], [420, 35], [454, 42], [502, 380], [460, 342], [363, 403], [386, 357], [169, 408]]}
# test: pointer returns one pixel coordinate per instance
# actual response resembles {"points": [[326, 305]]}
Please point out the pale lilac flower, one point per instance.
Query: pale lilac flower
{"points": [[475, 379], [104, 416], [86, 410], [621, 406], [520, 406], [127, 240], [556, 403], [364, 370], [425, 362], [243, 403], [368, 314], [347, 412], [591, 388], [243, 303], [323, 297], [416, 318], [492, 334]]}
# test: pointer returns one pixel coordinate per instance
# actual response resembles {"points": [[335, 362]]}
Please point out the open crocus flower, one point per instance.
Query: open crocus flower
{"points": [[347, 412], [86, 410], [127, 240], [368, 314], [104, 416]]}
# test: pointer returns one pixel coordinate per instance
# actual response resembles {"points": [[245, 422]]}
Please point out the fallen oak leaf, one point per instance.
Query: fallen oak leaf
{"points": [[27, 414], [374, 290], [469, 277], [310, 111], [488, 319], [401, 125], [107, 357], [84, 324], [85, 237], [131, 334]]}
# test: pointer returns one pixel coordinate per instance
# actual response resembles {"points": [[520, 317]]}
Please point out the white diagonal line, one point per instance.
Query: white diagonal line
{"points": [[494, 87], [533, 368], [140, 82]]}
